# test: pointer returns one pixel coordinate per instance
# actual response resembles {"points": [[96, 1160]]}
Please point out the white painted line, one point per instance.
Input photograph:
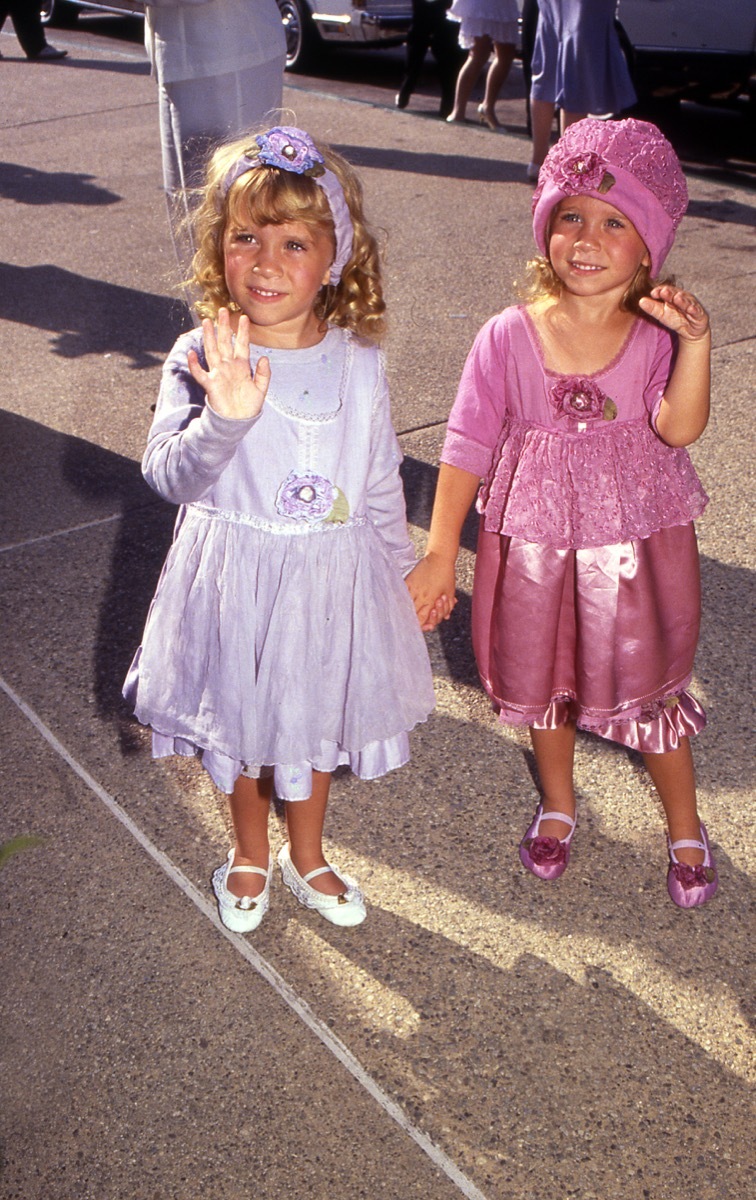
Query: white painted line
{"points": [[260, 964], [56, 533]]}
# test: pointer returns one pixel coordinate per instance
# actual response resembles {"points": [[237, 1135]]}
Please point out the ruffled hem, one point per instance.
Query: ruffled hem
{"points": [[610, 484], [651, 728], [291, 781], [506, 33]]}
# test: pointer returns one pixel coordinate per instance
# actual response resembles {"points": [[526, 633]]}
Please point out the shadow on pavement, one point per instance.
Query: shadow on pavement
{"points": [[89, 316]]}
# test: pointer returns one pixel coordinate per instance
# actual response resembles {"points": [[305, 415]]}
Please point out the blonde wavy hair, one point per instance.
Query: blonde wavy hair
{"points": [[271, 196]]}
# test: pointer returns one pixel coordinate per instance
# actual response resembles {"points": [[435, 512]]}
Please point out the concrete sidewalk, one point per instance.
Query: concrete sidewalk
{"points": [[481, 1035]]}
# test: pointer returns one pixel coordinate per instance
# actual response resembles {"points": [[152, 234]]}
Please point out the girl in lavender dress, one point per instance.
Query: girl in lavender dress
{"points": [[282, 641], [575, 410]]}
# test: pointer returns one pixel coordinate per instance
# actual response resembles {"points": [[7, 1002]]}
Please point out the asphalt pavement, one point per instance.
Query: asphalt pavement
{"points": [[483, 1034]]}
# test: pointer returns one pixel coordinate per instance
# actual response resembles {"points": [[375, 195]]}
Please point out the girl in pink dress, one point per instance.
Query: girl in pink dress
{"points": [[575, 410]]}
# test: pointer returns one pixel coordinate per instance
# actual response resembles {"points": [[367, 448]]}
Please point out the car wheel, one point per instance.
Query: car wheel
{"points": [[301, 35], [57, 12]]}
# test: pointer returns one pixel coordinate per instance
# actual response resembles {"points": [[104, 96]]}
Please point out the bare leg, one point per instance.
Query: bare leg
{"points": [[497, 73], [569, 118], [250, 805], [304, 820], [674, 778], [555, 752], [541, 119], [468, 77]]}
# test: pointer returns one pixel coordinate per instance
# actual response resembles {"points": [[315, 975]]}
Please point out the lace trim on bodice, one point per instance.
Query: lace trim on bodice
{"points": [[295, 529]]}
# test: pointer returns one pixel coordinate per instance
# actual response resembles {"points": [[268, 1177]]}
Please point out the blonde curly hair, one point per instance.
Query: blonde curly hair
{"points": [[271, 196]]}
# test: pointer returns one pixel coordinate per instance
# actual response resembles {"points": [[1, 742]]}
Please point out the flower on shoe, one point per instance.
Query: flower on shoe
{"points": [[290, 149], [689, 877], [306, 497], [546, 850], [582, 400]]}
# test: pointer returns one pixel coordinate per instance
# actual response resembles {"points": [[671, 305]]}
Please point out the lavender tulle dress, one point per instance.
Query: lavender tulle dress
{"points": [[282, 637], [586, 599]]}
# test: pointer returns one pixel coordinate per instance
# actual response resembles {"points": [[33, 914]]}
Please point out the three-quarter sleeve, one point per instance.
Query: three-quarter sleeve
{"points": [[478, 412]]}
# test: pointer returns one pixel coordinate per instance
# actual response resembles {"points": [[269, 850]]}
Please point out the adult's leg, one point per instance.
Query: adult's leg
{"points": [[502, 60]]}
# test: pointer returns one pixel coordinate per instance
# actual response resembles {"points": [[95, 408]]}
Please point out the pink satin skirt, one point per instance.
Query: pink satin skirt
{"points": [[604, 636]]}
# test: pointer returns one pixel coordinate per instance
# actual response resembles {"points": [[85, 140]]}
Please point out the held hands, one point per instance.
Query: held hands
{"points": [[431, 585], [679, 311], [232, 390]]}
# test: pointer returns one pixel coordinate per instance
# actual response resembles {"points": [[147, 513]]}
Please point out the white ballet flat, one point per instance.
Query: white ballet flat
{"points": [[240, 914], [347, 909]]}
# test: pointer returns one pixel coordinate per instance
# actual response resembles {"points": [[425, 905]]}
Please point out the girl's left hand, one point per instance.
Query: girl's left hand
{"points": [[678, 310], [232, 390]]}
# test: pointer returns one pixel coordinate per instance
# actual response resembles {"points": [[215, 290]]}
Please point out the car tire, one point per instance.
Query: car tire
{"points": [[302, 38], [57, 12]]}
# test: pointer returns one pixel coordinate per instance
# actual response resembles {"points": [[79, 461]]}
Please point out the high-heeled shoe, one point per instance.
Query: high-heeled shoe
{"points": [[691, 886], [486, 119], [546, 857]]}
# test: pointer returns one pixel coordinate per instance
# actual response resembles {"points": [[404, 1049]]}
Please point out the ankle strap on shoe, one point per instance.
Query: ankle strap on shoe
{"points": [[687, 844], [557, 816]]}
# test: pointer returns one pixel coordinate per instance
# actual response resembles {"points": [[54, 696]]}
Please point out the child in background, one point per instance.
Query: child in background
{"points": [[282, 641], [575, 410]]}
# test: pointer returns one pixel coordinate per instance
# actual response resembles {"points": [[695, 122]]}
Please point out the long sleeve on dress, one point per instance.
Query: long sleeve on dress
{"points": [[189, 444], [385, 492]]}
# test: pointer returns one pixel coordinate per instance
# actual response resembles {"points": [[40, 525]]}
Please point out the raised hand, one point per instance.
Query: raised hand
{"points": [[232, 390], [679, 311]]}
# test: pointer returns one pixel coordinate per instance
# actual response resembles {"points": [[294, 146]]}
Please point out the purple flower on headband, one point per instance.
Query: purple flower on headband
{"points": [[582, 173], [307, 497], [290, 149], [582, 400]]}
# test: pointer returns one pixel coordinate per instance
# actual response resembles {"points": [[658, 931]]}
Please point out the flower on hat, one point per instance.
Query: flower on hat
{"points": [[580, 173], [290, 149]]}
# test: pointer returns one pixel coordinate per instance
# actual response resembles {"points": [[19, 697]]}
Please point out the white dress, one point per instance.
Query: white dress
{"points": [[282, 634], [496, 19]]}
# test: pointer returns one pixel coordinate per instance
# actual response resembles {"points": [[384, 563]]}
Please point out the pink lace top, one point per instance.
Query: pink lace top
{"points": [[569, 461]]}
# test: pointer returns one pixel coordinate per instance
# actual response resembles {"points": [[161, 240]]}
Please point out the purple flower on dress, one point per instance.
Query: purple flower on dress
{"points": [[581, 400], [545, 850], [290, 149], [584, 172], [307, 497]]}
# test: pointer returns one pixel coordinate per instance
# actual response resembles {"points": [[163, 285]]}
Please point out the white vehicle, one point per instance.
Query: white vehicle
{"points": [[307, 23], [704, 49]]}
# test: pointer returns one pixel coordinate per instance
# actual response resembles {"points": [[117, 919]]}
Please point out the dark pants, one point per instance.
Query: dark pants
{"points": [[25, 17], [432, 30]]}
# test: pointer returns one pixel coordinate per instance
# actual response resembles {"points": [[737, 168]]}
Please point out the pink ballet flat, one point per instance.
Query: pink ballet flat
{"points": [[691, 886], [546, 857]]}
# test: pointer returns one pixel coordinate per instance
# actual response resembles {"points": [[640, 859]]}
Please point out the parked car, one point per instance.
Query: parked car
{"points": [[307, 23], [697, 48]]}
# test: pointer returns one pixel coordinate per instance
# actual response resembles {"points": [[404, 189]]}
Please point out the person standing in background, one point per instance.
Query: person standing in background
{"points": [[219, 67], [27, 25], [430, 29], [577, 66], [485, 26]]}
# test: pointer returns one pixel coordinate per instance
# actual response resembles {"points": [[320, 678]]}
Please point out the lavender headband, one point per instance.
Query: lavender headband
{"points": [[292, 149]]}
